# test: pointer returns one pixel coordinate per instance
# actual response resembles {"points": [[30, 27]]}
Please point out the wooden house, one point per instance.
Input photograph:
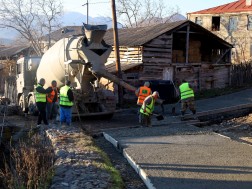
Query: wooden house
{"points": [[172, 51], [167, 52], [232, 22]]}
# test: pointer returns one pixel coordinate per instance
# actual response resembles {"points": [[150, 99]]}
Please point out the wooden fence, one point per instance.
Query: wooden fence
{"points": [[241, 74]]}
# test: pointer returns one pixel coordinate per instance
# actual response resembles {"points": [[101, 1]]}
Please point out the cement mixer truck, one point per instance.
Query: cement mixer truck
{"points": [[80, 59]]}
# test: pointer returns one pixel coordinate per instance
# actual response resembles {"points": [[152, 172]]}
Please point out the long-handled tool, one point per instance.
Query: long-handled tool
{"points": [[173, 108], [158, 116], [177, 93]]}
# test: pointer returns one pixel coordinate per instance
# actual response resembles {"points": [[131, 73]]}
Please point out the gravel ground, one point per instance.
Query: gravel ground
{"points": [[129, 176], [123, 119], [239, 129]]}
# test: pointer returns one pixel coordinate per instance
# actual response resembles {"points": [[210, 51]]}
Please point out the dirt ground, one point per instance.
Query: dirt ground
{"points": [[122, 119], [239, 129]]}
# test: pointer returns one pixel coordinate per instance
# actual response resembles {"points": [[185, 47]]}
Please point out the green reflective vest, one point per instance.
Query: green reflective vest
{"points": [[64, 100], [40, 97], [149, 108], [185, 91]]}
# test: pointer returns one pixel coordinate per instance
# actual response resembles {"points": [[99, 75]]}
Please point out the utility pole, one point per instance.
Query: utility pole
{"points": [[87, 9], [116, 49]]}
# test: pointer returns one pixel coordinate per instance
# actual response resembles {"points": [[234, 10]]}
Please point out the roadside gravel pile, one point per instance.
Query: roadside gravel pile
{"points": [[78, 164], [239, 129]]}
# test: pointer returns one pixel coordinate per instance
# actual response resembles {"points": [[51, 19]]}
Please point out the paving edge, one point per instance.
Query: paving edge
{"points": [[133, 164]]}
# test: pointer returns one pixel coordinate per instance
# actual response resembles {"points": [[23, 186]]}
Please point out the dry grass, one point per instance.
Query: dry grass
{"points": [[29, 165]]}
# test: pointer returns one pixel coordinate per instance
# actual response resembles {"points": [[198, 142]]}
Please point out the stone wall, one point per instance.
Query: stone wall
{"points": [[241, 37]]}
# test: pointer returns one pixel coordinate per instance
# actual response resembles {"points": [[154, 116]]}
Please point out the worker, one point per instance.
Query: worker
{"points": [[66, 103], [52, 99], [142, 92], [187, 98], [147, 109], [40, 95]]}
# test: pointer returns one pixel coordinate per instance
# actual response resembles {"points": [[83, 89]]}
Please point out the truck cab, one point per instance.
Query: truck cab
{"points": [[26, 68]]}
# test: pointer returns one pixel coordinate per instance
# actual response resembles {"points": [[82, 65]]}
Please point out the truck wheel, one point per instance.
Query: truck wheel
{"points": [[32, 108], [21, 103]]}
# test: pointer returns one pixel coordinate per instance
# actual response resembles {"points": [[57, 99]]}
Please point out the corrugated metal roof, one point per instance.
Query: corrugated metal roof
{"points": [[64, 32], [138, 36], [237, 6], [142, 35], [12, 50], [133, 36], [127, 36]]}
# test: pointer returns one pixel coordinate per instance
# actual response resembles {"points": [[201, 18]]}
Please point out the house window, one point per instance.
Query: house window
{"points": [[249, 22], [215, 23], [19, 68], [198, 20], [233, 22]]}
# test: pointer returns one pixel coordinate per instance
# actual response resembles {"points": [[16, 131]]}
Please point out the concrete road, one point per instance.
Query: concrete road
{"points": [[178, 155]]}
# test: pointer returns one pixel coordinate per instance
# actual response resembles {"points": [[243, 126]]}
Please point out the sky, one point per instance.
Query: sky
{"points": [[103, 7]]}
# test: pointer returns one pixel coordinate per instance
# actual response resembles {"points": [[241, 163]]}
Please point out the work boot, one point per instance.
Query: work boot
{"points": [[182, 117], [194, 114], [38, 126]]}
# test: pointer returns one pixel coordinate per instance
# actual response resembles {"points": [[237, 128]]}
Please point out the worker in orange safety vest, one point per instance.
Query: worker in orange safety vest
{"points": [[52, 99], [142, 92]]}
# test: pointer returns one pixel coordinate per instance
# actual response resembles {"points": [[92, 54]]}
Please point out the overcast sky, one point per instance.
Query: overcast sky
{"points": [[103, 7]]}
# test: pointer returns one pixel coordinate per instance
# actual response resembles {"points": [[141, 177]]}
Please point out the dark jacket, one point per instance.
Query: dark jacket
{"points": [[40, 89]]}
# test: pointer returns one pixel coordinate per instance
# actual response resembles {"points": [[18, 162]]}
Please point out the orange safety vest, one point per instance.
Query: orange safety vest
{"points": [[50, 96], [143, 93]]}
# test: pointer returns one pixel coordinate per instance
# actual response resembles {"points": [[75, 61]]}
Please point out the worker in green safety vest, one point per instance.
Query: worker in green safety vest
{"points": [[187, 98], [66, 103], [147, 109], [40, 96]]}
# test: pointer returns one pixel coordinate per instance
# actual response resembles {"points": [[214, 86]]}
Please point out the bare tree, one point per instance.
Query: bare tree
{"points": [[136, 13], [31, 18], [50, 11]]}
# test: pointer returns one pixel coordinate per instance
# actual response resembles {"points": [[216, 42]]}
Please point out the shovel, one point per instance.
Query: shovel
{"points": [[159, 117], [178, 95], [174, 109]]}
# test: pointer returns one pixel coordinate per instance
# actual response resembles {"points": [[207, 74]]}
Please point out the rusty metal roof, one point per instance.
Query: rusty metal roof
{"points": [[141, 35], [237, 6]]}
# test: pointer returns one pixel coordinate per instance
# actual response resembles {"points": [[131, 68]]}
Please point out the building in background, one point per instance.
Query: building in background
{"points": [[172, 52], [233, 23]]}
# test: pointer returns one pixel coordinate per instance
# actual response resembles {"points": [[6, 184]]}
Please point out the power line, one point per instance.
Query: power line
{"points": [[100, 2]]}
